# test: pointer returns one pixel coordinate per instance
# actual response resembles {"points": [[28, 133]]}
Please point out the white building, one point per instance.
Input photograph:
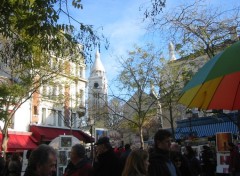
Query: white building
{"points": [[56, 108]]}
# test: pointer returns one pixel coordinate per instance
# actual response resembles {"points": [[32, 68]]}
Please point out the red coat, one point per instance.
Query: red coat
{"points": [[83, 168]]}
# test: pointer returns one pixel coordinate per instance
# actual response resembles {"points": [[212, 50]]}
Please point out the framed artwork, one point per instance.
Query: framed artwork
{"points": [[222, 140], [65, 141], [223, 158], [100, 132], [62, 158]]}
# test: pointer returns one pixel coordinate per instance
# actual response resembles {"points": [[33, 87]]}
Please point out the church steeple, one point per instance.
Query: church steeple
{"points": [[171, 52], [97, 65], [97, 90]]}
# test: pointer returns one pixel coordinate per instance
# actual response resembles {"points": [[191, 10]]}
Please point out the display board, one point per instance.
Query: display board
{"points": [[63, 145], [223, 162], [223, 153]]}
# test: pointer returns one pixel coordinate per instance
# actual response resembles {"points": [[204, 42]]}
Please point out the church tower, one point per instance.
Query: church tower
{"points": [[97, 91]]}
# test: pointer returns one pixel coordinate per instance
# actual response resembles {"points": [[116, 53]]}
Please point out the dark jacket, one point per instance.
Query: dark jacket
{"points": [[108, 164], [14, 168], [83, 168], [2, 165], [158, 163], [184, 168], [234, 163], [194, 164], [208, 162]]}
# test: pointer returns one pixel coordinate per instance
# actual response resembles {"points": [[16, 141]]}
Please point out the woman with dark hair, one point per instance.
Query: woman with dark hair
{"points": [[136, 164], [14, 165], [194, 163]]}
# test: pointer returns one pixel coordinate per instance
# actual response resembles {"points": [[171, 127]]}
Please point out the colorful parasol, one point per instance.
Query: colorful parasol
{"points": [[217, 84]]}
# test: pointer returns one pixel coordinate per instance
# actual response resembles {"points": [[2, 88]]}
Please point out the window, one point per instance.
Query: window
{"points": [[77, 70], [81, 98], [60, 118], [55, 63], [60, 90], [74, 68], [53, 116], [60, 65], [44, 116], [54, 91], [44, 90], [74, 120], [80, 72]]}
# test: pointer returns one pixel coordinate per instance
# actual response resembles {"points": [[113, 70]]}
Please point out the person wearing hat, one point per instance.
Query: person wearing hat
{"points": [[78, 164], [106, 162]]}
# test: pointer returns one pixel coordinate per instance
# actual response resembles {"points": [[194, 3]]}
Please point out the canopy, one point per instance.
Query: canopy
{"points": [[42, 133], [20, 141]]}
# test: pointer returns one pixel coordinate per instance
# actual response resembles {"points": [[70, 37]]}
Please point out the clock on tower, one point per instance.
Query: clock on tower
{"points": [[95, 85]]}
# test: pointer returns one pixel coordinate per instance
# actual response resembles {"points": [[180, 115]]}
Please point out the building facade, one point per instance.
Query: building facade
{"points": [[55, 108]]}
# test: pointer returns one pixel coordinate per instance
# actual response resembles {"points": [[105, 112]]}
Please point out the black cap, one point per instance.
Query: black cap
{"points": [[102, 140]]}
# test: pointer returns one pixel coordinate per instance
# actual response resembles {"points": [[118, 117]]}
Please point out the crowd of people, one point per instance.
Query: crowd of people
{"points": [[164, 159]]}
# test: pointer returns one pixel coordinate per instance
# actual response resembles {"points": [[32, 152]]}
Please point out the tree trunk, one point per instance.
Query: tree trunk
{"points": [[159, 112], [171, 121], [5, 138], [141, 137]]}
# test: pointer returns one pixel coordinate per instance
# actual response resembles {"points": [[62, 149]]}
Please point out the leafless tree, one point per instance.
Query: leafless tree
{"points": [[197, 27]]}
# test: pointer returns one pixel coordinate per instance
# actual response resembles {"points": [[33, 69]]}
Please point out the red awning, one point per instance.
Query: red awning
{"points": [[49, 133], [19, 141]]}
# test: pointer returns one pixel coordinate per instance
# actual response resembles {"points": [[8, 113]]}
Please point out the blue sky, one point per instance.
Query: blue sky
{"points": [[122, 25]]}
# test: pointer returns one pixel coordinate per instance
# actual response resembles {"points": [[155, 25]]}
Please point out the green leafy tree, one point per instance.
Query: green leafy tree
{"points": [[199, 31], [169, 81], [33, 41], [133, 82]]}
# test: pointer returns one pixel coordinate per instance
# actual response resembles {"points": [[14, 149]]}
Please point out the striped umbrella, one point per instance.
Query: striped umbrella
{"points": [[217, 84]]}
